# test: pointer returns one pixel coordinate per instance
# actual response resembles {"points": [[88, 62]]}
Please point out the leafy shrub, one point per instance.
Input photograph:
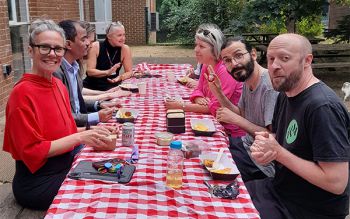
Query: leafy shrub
{"points": [[275, 26], [310, 26]]}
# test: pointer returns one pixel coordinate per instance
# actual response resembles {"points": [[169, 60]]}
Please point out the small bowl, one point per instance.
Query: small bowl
{"points": [[120, 112], [208, 123], [225, 162], [164, 138]]}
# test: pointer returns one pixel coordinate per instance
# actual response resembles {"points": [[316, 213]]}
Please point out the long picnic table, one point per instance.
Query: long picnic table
{"points": [[146, 195]]}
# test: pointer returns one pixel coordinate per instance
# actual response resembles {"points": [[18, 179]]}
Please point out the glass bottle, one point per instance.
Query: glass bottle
{"points": [[175, 165]]}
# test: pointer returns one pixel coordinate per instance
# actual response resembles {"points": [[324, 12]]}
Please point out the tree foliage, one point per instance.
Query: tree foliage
{"points": [[180, 18], [287, 11], [310, 26]]}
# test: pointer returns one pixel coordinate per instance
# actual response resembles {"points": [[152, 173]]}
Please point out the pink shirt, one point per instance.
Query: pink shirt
{"points": [[230, 87]]}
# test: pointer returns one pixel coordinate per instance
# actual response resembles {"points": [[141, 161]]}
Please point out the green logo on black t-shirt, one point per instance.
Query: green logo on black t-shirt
{"points": [[292, 131]]}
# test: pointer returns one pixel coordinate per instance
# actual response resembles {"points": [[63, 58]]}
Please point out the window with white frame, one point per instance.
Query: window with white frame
{"points": [[81, 10], [103, 10], [103, 16], [18, 12]]}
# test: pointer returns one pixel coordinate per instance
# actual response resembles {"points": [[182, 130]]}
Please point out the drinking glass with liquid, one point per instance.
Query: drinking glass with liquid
{"points": [[175, 165]]}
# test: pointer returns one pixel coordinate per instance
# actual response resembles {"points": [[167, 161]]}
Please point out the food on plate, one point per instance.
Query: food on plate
{"points": [[201, 127], [137, 74], [222, 171], [208, 163], [126, 115], [183, 80]]}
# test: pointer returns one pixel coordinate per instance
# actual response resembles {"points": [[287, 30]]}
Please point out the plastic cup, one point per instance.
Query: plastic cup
{"points": [[171, 77], [142, 87]]}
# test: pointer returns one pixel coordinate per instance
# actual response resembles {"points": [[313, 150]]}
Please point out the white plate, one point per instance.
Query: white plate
{"points": [[169, 98], [205, 122], [225, 162], [128, 86]]}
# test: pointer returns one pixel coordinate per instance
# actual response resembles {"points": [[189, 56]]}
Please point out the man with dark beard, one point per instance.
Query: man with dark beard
{"points": [[255, 108], [311, 141]]}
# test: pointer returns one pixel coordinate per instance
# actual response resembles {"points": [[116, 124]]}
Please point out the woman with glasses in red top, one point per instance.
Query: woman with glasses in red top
{"points": [[208, 42], [40, 132], [106, 58]]}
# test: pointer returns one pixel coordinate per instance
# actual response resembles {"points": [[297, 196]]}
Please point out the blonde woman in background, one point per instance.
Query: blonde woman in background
{"points": [[90, 94], [106, 58]]}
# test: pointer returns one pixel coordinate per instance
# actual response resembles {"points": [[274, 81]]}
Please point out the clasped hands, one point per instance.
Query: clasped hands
{"points": [[265, 148], [99, 137]]}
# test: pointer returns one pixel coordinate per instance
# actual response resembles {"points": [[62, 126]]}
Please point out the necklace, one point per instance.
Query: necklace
{"points": [[109, 58]]}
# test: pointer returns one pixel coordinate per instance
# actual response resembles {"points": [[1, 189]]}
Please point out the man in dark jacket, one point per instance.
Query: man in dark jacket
{"points": [[77, 45]]}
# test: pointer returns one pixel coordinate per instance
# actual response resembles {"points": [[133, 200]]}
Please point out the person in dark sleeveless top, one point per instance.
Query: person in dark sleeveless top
{"points": [[106, 58]]}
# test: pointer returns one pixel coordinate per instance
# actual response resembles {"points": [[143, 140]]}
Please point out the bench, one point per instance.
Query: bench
{"points": [[331, 65], [331, 56], [9, 208]]}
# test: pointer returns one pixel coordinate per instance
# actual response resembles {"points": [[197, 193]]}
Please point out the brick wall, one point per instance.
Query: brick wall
{"points": [[132, 14], [90, 5], [54, 9], [336, 13], [6, 83]]}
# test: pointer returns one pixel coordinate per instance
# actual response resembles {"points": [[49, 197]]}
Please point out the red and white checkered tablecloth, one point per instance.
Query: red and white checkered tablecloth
{"points": [[146, 195], [161, 86]]}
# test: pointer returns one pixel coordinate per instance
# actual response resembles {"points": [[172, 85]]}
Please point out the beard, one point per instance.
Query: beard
{"points": [[289, 82], [242, 72]]}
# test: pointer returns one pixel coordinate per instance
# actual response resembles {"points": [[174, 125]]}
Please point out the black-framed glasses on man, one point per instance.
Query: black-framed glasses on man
{"points": [[238, 57], [206, 33], [46, 49]]}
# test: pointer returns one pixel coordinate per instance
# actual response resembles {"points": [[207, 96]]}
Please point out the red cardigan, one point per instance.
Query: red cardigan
{"points": [[37, 113]]}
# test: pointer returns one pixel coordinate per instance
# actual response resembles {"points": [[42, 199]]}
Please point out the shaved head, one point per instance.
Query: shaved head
{"points": [[289, 58], [301, 43]]}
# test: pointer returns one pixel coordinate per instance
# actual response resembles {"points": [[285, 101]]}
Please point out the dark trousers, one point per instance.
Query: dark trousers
{"points": [[37, 190], [271, 205], [267, 201]]}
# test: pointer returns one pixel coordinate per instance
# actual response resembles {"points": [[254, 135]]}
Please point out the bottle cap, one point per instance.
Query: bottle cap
{"points": [[176, 144]]}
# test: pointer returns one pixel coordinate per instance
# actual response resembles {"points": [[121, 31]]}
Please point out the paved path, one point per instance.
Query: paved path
{"points": [[7, 164]]}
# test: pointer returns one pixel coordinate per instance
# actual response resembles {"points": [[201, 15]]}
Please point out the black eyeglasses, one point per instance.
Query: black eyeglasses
{"points": [[206, 33], [237, 57], [46, 49], [118, 23]]}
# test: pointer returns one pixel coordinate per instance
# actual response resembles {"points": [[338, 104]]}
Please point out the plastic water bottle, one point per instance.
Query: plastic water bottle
{"points": [[175, 165]]}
